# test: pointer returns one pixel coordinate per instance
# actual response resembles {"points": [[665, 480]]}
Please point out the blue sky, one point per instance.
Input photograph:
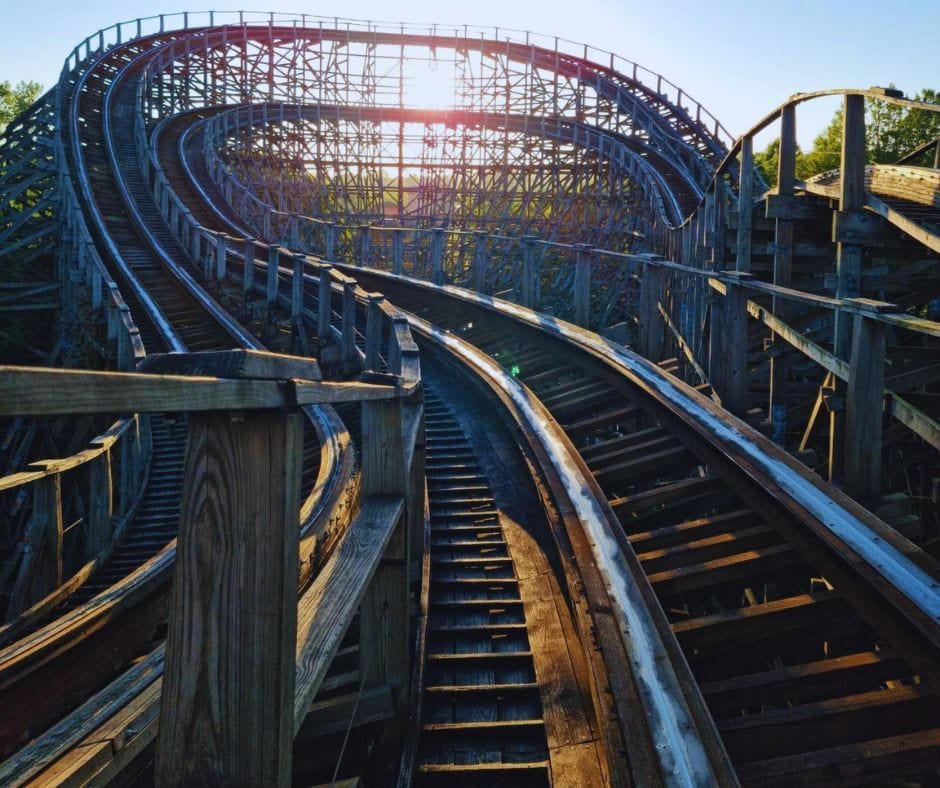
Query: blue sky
{"points": [[739, 59]]}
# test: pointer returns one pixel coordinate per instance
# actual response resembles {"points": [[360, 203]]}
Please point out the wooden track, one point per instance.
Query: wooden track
{"points": [[793, 634]]}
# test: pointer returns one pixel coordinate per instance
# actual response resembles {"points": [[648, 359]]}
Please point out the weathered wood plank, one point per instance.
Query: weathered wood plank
{"points": [[236, 364], [328, 606], [228, 697], [865, 409]]}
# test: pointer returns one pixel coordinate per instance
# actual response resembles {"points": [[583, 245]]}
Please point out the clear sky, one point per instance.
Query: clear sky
{"points": [[739, 58]]}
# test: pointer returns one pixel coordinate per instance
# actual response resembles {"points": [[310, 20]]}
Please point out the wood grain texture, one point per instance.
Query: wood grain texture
{"points": [[327, 608], [865, 409], [227, 708]]}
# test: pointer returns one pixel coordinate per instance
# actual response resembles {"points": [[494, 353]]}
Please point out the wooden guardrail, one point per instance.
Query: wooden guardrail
{"points": [[690, 301], [249, 678], [113, 468], [109, 478]]}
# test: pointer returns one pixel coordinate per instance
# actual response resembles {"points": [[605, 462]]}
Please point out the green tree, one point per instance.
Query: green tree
{"points": [[826, 152], [13, 100], [891, 131], [768, 160]]}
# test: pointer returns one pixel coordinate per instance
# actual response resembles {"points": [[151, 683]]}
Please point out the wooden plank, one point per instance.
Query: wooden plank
{"points": [[885, 758], [657, 496], [100, 505], [238, 364], [804, 683], [830, 723], [228, 697], [271, 289], [38, 391], [328, 606], [730, 629], [745, 205], [699, 528], [43, 752], [347, 711], [581, 293], [651, 327], [44, 392], [864, 421], [733, 568], [734, 350]]}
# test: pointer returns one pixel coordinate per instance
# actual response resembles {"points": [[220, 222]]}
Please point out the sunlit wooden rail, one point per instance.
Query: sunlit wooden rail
{"points": [[716, 589]]}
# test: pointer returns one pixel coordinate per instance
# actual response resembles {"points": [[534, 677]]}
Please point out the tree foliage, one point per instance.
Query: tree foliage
{"points": [[13, 100], [891, 131]]}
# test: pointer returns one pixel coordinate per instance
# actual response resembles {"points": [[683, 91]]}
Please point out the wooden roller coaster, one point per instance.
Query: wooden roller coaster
{"points": [[529, 442]]}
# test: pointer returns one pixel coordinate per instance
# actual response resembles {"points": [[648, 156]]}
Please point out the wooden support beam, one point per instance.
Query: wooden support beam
{"points": [[227, 707], [374, 331], [479, 262], [398, 257], [865, 409], [348, 354], [384, 612], [248, 268], [582, 286], [364, 257], [100, 505], [47, 518], [783, 269], [274, 260], [734, 352], [330, 243], [745, 205], [221, 249], [324, 305], [437, 255], [651, 324], [848, 255], [529, 273], [297, 287]]}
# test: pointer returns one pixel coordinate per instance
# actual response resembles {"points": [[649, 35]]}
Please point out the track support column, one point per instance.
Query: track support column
{"points": [[227, 707]]}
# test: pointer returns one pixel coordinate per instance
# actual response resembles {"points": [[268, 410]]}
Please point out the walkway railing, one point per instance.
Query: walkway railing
{"points": [[221, 669], [694, 305]]}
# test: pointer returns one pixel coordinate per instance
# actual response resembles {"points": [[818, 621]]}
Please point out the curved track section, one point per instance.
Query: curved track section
{"points": [[738, 619]]}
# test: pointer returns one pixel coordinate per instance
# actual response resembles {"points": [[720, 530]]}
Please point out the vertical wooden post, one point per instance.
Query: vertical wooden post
{"points": [[330, 244], [715, 329], [479, 262], [650, 321], [297, 287], [294, 230], [734, 355], [248, 267], [221, 247], [582, 286], [383, 613], [349, 324], [274, 260], [717, 260], [437, 255], [47, 519], [398, 257], [374, 331], [852, 198], [365, 249], [100, 505], [745, 205], [227, 707], [848, 254], [324, 305], [783, 267], [529, 273], [864, 407]]}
